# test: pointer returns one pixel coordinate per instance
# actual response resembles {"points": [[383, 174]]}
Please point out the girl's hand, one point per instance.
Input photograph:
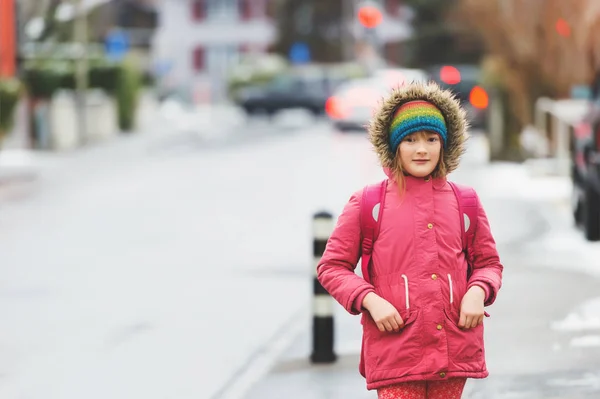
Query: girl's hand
{"points": [[384, 314], [471, 308]]}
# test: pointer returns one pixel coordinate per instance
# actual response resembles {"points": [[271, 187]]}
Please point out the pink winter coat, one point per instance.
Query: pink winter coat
{"points": [[419, 267]]}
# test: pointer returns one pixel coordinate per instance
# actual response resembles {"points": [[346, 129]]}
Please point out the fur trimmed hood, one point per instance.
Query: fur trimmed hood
{"points": [[455, 116]]}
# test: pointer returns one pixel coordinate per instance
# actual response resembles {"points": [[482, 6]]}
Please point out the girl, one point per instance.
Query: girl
{"points": [[422, 320]]}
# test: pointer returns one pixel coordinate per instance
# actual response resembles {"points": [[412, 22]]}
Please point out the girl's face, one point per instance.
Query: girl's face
{"points": [[419, 153]]}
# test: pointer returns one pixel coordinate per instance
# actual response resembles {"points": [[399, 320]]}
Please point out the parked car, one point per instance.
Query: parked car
{"points": [[585, 167], [352, 104], [393, 77], [464, 80], [306, 88], [254, 69]]}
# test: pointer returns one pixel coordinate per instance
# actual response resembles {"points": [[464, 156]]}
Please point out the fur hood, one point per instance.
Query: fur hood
{"points": [[455, 116]]}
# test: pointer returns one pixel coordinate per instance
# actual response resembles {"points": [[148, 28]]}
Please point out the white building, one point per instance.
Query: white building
{"points": [[197, 41]]}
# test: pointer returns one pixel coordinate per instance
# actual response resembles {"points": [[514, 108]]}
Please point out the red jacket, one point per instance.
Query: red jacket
{"points": [[419, 267]]}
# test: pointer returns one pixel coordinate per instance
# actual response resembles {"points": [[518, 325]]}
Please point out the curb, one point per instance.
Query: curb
{"points": [[19, 171], [262, 362], [17, 187]]}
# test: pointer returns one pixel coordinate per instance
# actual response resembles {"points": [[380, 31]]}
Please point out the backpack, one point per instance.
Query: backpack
{"points": [[371, 210]]}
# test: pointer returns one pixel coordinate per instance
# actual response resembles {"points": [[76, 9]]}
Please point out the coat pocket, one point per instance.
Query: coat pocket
{"points": [[396, 291], [457, 288], [398, 350], [465, 346]]}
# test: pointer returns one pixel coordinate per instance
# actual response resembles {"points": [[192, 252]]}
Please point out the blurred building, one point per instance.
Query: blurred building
{"points": [[138, 18], [197, 42]]}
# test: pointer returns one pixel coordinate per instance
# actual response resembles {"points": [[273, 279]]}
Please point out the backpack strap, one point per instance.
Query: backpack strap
{"points": [[468, 206], [371, 209]]}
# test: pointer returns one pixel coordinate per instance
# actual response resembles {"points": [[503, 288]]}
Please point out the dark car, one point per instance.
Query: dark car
{"points": [[464, 80], [585, 167], [308, 89]]}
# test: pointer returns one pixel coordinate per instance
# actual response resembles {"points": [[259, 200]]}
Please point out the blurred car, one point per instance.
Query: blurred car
{"points": [[398, 76], [306, 88], [352, 105], [254, 69], [585, 167], [464, 80]]}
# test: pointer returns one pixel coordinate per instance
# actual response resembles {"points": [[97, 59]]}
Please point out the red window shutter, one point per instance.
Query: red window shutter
{"points": [[245, 9], [392, 7], [198, 10], [198, 59]]}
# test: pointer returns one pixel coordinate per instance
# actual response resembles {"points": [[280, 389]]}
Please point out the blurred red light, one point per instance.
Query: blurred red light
{"points": [[334, 108], [369, 16], [563, 28], [479, 98], [450, 75]]}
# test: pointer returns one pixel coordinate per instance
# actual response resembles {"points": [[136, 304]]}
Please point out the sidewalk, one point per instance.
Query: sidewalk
{"points": [[24, 170], [293, 376]]}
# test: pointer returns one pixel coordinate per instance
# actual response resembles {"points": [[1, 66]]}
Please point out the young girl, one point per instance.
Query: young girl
{"points": [[422, 320]]}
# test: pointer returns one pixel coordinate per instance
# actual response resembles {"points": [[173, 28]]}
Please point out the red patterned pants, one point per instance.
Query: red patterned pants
{"points": [[447, 389]]}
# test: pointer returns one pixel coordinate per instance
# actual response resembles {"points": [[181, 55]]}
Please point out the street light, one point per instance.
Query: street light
{"points": [[370, 16]]}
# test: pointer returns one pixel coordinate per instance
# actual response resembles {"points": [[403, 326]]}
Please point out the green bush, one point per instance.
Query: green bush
{"points": [[148, 80], [123, 81], [129, 84], [10, 93], [104, 75], [43, 79]]}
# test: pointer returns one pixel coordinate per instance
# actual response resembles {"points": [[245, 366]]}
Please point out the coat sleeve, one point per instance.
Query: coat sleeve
{"points": [[487, 269], [335, 271]]}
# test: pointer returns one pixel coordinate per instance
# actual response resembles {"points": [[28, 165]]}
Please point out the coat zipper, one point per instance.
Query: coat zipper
{"points": [[450, 284], [406, 290]]}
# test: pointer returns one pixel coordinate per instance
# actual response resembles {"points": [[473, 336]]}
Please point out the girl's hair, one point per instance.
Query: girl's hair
{"points": [[439, 171]]}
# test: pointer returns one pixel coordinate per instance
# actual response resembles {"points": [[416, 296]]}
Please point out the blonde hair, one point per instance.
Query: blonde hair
{"points": [[440, 170]]}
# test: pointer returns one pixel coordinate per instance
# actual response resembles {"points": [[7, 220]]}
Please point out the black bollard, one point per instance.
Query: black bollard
{"points": [[323, 303]]}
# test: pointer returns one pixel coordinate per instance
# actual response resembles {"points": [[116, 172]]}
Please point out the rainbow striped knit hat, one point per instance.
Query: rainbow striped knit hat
{"points": [[415, 116]]}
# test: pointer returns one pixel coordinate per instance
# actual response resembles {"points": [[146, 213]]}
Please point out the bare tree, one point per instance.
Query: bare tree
{"points": [[537, 47]]}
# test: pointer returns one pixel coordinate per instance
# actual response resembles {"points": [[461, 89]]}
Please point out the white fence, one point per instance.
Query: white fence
{"points": [[550, 137]]}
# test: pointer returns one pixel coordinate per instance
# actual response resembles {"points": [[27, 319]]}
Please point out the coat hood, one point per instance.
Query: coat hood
{"points": [[455, 116]]}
